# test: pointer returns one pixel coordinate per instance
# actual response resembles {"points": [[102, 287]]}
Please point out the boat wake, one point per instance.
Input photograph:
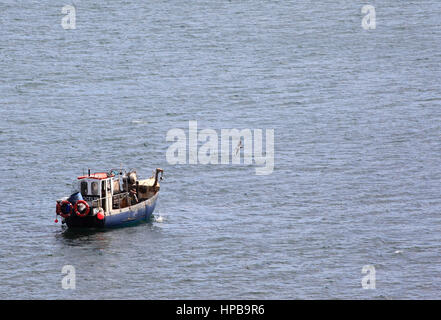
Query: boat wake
{"points": [[159, 219]]}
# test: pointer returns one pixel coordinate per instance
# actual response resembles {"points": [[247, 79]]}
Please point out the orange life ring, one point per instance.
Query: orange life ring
{"points": [[64, 202], [82, 215]]}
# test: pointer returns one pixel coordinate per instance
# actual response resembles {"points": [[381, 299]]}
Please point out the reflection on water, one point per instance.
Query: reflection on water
{"points": [[81, 237], [99, 237]]}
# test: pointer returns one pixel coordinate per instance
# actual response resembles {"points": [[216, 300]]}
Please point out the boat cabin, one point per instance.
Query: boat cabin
{"points": [[109, 191], [98, 189]]}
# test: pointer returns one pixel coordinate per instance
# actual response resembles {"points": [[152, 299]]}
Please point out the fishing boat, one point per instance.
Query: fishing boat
{"points": [[109, 199]]}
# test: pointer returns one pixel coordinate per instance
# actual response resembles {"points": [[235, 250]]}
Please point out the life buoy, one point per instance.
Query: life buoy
{"points": [[63, 204], [85, 213]]}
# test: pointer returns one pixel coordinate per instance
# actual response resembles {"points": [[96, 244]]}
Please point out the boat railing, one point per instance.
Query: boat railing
{"points": [[97, 202], [118, 199]]}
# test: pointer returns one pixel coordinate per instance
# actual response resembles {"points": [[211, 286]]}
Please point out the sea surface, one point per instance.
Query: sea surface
{"points": [[356, 116]]}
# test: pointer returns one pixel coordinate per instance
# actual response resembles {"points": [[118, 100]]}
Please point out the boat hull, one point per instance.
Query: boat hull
{"points": [[117, 217]]}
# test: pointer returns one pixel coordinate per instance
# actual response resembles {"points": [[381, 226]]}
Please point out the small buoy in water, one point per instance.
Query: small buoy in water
{"points": [[56, 220]]}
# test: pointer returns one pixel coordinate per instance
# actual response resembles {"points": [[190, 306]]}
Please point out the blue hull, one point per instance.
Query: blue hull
{"points": [[117, 218], [140, 212]]}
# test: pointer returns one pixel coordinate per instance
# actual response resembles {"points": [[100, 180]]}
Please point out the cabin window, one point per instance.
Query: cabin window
{"points": [[94, 187], [83, 188]]}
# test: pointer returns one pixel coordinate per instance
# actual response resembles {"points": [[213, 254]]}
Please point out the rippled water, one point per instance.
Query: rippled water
{"points": [[357, 173]]}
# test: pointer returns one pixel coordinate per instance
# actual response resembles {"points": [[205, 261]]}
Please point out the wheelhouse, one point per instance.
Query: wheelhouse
{"points": [[98, 188]]}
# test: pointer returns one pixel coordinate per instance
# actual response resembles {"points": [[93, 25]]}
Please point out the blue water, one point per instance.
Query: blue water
{"points": [[356, 116]]}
